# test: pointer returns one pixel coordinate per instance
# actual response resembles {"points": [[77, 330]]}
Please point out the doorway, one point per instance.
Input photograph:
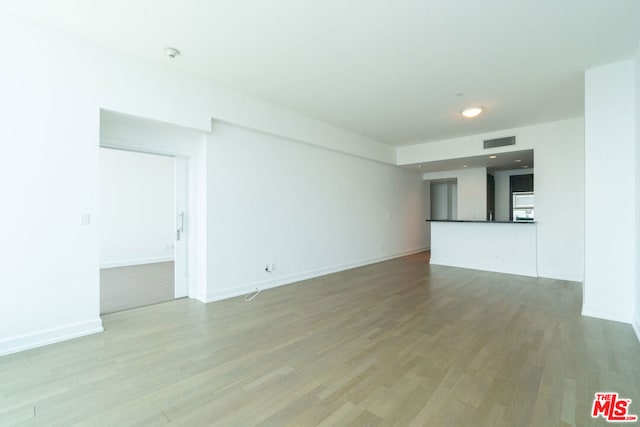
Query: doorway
{"points": [[187, 148], [444, 199], [143, 248]]}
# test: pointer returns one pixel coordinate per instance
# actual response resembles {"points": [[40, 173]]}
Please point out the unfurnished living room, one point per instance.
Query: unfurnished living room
{"points": [[329, 213]]}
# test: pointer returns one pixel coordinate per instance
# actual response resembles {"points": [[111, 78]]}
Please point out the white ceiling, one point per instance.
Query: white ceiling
{"points": [[389, 70], [510, 160]]}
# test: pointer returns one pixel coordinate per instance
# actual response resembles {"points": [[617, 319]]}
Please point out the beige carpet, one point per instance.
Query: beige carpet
{"points": [[122, 288]]}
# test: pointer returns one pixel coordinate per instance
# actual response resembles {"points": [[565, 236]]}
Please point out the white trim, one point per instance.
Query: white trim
{"points": [[287, 280], [181, 211], [636, 325], [49, 336], [136, 261], [131, 144], [606, 314], [530, 272], [202, 297], [557, 275], [195, 151]]}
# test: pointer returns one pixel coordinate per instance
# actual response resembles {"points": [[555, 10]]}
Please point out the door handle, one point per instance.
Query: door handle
{"points": [[180, 225]]}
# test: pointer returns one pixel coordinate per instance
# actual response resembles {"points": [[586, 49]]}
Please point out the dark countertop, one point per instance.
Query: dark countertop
{"points": [[480, 221]]}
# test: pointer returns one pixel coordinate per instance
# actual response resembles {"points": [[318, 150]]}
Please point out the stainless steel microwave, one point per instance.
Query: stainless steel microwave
{"points": [[523, 200]]}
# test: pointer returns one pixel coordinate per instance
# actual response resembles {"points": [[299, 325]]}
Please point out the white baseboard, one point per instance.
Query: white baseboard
{"points": [[606, 314], [202, 297], [286, 280], [559, 275], [530, 272], [636, 325], [49, 336], [135, 261]]}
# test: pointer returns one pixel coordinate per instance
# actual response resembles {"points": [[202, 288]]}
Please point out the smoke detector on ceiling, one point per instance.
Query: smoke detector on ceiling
{"points": [[171, 52]]}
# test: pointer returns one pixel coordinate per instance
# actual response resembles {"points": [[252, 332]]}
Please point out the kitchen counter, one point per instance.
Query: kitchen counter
{"points": [[501, 247], [476, 221]]}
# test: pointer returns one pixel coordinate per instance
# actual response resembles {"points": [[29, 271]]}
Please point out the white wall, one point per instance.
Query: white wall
{"points": [[636, 82], [307, 210], [136, 208], [471, 189], [48, 178], [559, 182], [426, 195], [502, 179], [505, 248], [453, 201], [50, 109], [610, 250], [472, 194]]}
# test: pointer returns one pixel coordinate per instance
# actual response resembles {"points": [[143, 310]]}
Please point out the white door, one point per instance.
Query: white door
{"points": [[182, 226]]}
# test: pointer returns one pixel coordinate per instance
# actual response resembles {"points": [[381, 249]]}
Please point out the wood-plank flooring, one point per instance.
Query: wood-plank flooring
{"points": [[395, 343]]}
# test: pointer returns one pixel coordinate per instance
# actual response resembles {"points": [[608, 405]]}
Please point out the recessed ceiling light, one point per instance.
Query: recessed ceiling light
{"points": [[464, 166], [471, 112], [518, 161], [171, 52], [493, 157]]}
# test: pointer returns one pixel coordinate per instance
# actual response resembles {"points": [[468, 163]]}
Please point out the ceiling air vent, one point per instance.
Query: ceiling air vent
{"points": [[500, 142]]}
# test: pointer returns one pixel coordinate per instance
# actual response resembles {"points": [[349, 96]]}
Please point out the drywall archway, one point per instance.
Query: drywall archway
{"points": [[127, 132]]}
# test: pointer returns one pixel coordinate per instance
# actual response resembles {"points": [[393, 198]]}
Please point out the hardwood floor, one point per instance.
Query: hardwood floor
{"points": [[396, 343]]}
